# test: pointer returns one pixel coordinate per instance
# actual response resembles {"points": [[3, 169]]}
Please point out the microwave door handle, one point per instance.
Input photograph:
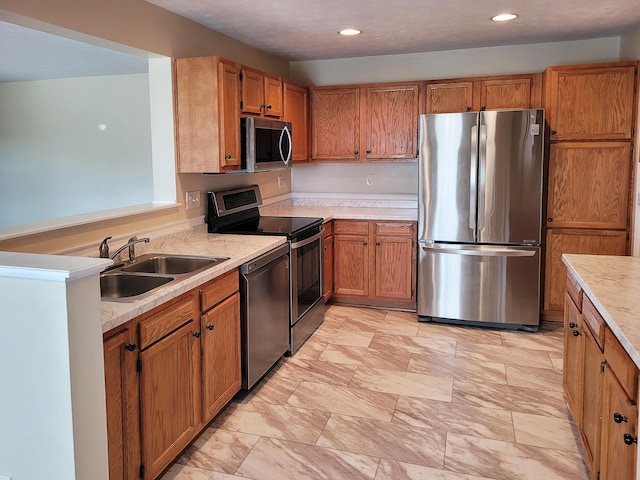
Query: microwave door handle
{"points": [[288, 157]]}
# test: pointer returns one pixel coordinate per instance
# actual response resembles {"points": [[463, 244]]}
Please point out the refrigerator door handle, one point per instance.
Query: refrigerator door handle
{"points": [[473, 177], [481, 252], [482, 177]]}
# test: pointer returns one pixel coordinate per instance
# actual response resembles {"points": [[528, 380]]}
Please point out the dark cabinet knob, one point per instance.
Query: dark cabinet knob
{"points": [[549, 219], [196, 334], [368, 152], [210, 326], [377, 244], [619, 418], [572, 325], [630, 439], [227, 156], [268, 107], [483, 108], [130, 347], [468, 108], [364, 243], [553, 132], [576, 333], [355, 152]]}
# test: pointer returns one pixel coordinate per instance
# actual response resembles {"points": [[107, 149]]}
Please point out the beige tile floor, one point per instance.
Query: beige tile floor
{"points": [[374, 394]]}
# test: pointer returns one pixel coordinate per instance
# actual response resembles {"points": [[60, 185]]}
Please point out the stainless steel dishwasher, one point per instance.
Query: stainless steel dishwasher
{"points": [[264, 292]]}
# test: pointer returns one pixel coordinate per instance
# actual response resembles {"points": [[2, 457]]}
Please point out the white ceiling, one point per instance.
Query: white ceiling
{"points": [[307, 29]]}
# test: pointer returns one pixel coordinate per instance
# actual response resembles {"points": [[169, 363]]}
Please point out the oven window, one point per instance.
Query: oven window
{"points": [[308, 276]]}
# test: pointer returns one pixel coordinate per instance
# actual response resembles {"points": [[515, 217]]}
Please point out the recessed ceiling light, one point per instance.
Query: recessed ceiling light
{"points": [[348, 32], [504, 17]]}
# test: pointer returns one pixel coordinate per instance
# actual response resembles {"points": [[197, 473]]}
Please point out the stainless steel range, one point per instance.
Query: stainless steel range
{"points": [[236, 211]]}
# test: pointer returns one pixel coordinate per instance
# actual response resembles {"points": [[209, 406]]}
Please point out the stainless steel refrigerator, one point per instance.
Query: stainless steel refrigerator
{"points": [[480, 217]]}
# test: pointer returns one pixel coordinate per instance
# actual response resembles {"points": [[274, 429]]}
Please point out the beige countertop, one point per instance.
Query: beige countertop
{"points": [[613, 285], [196, 241]]}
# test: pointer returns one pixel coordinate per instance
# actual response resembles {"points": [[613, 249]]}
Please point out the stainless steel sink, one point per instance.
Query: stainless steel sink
{"points": [[172, 264], [117, 285], [129, 282]]}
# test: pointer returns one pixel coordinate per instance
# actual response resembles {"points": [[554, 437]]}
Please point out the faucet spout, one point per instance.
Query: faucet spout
{"points": [[131, 245]]}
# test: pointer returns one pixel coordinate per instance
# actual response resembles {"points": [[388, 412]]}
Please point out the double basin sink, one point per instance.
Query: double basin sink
{"points": [[129, 282]]}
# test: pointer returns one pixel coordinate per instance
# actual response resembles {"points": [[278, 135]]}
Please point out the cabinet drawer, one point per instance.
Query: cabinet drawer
{"points": [[621, 364], [351, 227], [574, 290], [218, 289], [594, 320], [389, 228], [166, 320]]}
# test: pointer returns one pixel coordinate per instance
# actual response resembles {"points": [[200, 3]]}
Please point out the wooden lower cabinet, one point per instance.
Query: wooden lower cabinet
{"points": [[374, 263], [600, 383], [167, 374], [327, 261]]}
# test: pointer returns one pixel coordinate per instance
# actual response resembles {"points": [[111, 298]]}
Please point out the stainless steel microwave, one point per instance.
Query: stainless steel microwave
{"points": [[266, 144]]}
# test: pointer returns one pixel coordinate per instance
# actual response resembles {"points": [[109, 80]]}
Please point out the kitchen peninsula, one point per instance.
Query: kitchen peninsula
{"points": [[602, 360]]}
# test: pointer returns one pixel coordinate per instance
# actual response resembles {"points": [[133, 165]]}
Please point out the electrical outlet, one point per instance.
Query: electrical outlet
{"points": [[280, 181], [370, 180], [193, 201]]}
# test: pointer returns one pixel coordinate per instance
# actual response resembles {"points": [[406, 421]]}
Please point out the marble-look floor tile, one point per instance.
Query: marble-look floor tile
{"points": [[459, 333], [275, 421], [548, 432], [273, 459], [506, 397], [511, 461], [556, 361], [532, 377], [502, 354], [219, 450], [458, 368], [297, 370], [403, 383], [273, 388], [312, 349], [392, 470], [345, 400], [366, 357], [386, 440], [531, 341], [416, 345], [185, 472], [341, 336], [484, 422]]}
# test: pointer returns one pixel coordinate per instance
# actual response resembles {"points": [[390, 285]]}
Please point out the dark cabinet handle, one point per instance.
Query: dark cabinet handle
{"points": [[130, 347], [553, 132], [619, 418], [483, 108], [364, 243], [468, 108], [269, 107], [549, 219], [196, 334], [227, 156], [356, 152], [576, 333], [630, 439], [377, 244], [572, 325], [368, 152], [210, 326]]}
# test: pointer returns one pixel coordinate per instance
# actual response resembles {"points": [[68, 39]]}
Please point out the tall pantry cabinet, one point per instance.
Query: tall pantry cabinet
{"points": [[590, 112]]}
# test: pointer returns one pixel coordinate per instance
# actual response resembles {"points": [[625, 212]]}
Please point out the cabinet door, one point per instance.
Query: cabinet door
{"points": [[574, 240], [221, 377], [121, 387], [252, 92], [272, 97], [392, 122], [589, 185], [449, 97], [590, 103], [169, 397], [229, 116], [394, 267], [327, 265], [351, 265], [335, 124], [619, 423], [573, 362], [592, 400], [296, 111], [506, 94]]}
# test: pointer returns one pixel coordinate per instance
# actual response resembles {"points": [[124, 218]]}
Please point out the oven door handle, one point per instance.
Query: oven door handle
{"points": [[309, 240]]}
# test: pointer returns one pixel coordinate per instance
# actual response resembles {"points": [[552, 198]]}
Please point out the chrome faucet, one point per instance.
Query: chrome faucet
{"points": [[104, 248]]}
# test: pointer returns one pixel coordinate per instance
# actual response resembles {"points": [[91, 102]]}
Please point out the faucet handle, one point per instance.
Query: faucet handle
{"points": [[104, 248]]}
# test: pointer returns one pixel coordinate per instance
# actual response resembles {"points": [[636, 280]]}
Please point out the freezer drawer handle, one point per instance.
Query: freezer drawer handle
{"points": [[496, 252]]}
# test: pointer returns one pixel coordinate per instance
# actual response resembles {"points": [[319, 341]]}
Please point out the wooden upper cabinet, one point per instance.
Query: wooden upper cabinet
{"points": [[504, 92], [392, 122], [589, 184], [449, 97], [261, 93], [587, 102], [207, 115], [296, 111], [335, 124]]}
